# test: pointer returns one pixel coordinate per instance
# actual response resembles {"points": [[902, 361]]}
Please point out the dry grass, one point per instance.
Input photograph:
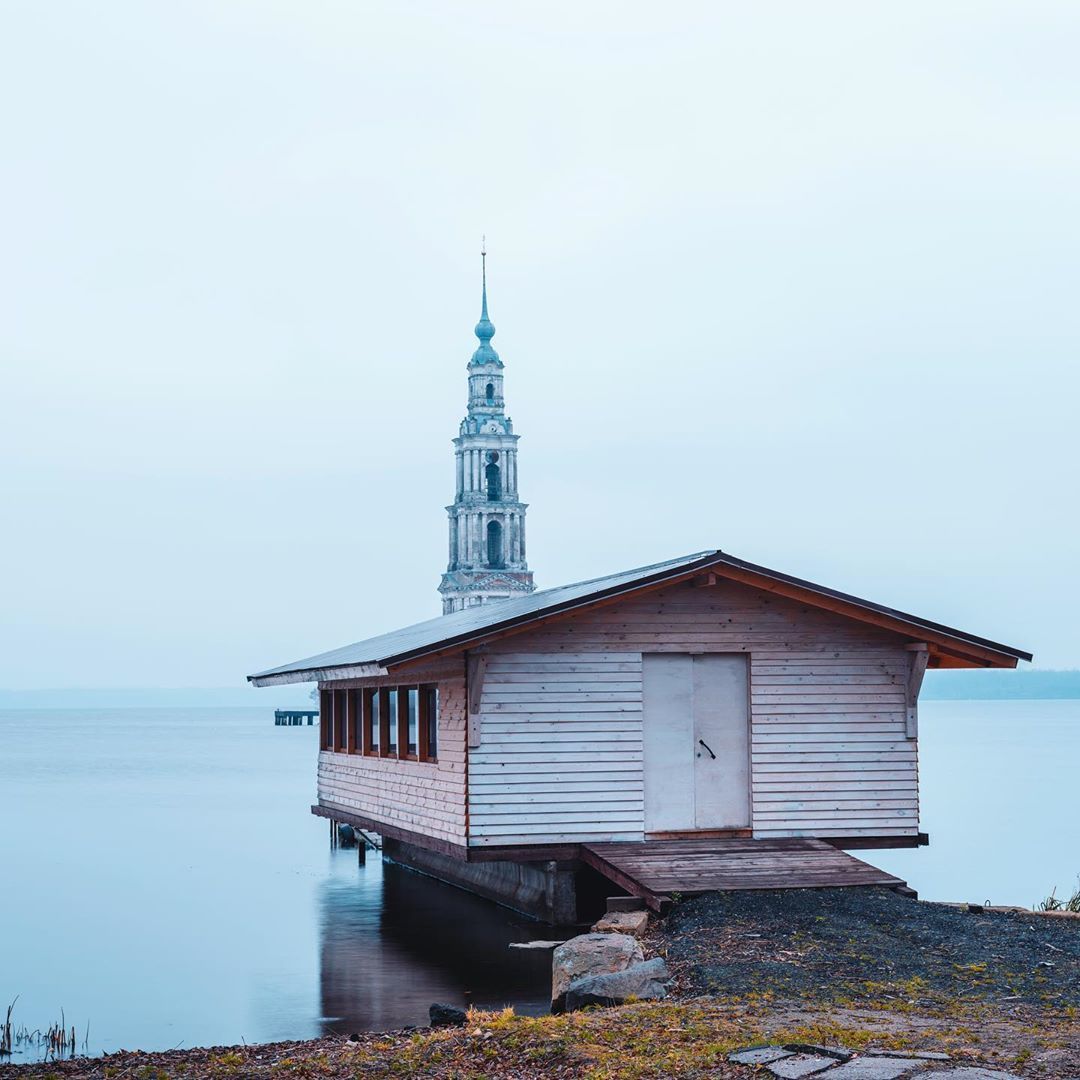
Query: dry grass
{"points": [[648, 1040], [1052, 903]]}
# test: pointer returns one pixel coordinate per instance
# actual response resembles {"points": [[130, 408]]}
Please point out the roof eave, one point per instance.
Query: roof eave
{"points": [[980, 652], [346, 671]]}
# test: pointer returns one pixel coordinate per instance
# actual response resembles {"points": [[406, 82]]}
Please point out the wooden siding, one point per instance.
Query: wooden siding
{"points": [[424, 797], [559, 758], [560, 751]]}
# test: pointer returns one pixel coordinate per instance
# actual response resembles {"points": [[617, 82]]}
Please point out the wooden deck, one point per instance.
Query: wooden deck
{"points": [[655, 869]]}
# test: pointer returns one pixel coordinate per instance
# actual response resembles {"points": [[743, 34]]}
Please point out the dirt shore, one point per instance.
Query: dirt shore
{"points": [[686, 1039], [868, 946]]}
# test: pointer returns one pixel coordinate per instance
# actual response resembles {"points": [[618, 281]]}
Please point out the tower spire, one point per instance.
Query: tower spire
{"points": [[485, 328]]}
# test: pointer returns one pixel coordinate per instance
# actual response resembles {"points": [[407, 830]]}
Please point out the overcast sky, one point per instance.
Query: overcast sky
{"points": [[794, 280]]}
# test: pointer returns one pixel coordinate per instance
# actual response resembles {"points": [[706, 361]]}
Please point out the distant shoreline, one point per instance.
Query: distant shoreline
{"points": [[1001, 686]]}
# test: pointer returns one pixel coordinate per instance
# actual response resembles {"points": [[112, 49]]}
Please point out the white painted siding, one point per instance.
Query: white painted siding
{"points": [[560, 753], [830, 757], [560, 757]]}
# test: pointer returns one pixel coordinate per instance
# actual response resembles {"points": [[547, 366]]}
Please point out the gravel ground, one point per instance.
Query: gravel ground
{"points": [[867, 944]]}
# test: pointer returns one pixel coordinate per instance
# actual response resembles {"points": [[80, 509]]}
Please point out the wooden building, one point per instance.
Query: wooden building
{"points": [[703, 723]]}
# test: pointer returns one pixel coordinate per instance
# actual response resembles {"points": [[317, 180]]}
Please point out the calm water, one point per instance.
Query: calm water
{"points": [[161, 877]]}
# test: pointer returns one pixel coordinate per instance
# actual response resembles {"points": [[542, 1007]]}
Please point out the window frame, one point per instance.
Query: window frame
{"points": [[361, 721]]}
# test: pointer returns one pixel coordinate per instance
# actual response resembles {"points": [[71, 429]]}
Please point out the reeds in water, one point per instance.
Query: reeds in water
{"points": [[58, 1040], [5, 1031]]}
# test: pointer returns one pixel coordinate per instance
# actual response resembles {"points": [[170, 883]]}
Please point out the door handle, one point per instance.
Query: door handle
{"points": [[707, 747]]}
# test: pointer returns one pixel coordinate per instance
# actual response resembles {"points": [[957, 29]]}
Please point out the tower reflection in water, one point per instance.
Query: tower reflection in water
{"points": [[393, 941]]}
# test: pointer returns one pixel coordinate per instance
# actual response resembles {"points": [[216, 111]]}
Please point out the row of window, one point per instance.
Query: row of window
{"points": [[386, 721]]}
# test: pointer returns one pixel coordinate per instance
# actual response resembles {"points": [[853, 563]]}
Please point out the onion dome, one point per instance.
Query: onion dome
{"points": [[485, 328]]}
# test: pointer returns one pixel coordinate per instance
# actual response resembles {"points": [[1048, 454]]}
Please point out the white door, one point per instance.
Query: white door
{"points": [[696, 741]]}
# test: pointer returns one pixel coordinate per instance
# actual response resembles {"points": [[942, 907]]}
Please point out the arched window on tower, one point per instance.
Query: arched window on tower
{"points": [[489, 393], [494, 482], [494, 544]]}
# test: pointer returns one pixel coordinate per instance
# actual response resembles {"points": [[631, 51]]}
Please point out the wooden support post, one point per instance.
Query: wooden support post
{"points": [[368, 705], [325, 708], [403, 722], [920, 657], [352, 731], [423, 719], [476, 667], [384, 721]]}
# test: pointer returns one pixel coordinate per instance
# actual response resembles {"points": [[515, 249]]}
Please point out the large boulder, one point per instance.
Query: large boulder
{"points": [[639, 982], [590, 954]]}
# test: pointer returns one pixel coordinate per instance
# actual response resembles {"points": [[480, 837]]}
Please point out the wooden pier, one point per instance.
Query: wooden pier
{"points": [[294, 717], [654, 869]]}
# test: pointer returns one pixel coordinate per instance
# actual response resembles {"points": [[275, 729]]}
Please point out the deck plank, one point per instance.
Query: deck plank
{"points": [[652, 869]]}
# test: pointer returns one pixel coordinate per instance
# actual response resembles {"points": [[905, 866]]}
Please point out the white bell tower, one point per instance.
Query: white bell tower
{"points": [[487, 520]]}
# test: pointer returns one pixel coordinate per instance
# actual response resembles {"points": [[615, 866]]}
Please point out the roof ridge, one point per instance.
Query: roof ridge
{"points": [[633, 570]]}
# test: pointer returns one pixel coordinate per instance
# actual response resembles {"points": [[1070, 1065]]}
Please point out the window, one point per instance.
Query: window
{"points": [[413, 729], [494, 482], [494, 544], [371, 716], [390, 721], [391, 726], [489, 393]]}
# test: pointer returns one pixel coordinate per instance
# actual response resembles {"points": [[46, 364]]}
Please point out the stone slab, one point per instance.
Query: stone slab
{"points": [[758, 1055], [968, 1073], [922, 1055], [875, 1068], [536, 944], [799, 1065], [841, 1053], [625, 903], [623, 922]]}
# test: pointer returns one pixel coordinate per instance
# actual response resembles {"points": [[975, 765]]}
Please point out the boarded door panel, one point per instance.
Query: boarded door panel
{"points": [[668, 736], [721, 722], [688, 700]]}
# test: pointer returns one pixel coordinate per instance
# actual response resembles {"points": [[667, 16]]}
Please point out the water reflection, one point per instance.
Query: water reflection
{"points": [[392, 941]]}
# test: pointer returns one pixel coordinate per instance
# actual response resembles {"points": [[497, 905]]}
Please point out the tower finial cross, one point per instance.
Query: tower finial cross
{"points": [[483, 278]]}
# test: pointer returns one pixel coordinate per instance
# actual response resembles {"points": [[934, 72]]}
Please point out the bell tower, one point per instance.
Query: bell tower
{"points": [[487, 520]]}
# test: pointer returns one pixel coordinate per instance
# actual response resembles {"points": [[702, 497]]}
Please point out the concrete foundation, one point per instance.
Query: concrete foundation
{"points": [[543, 890]]}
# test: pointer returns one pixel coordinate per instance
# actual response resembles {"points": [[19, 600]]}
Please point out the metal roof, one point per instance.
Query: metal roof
{"points": [[371, 657]]}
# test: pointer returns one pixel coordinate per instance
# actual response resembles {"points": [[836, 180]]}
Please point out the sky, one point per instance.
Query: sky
{"points": [[793, 280]]}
